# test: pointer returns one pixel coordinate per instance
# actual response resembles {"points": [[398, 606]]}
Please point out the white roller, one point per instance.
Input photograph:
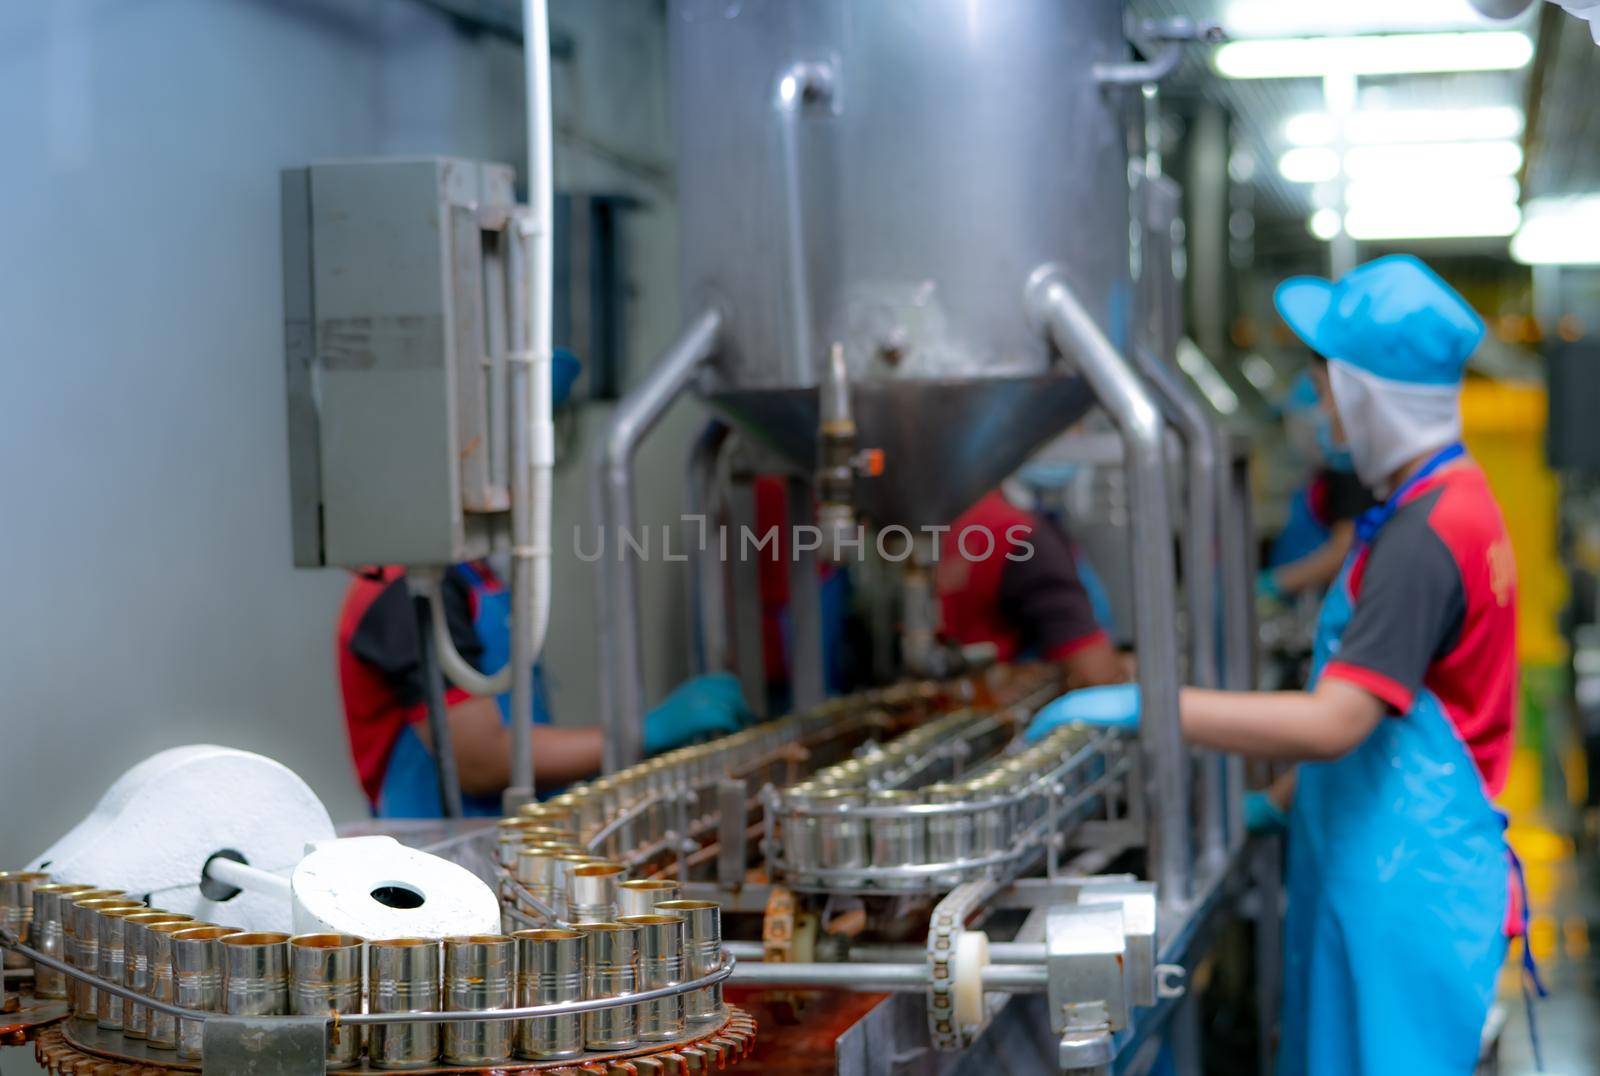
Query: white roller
{"points": [[966, 994], [157, 825], [361, 886]]}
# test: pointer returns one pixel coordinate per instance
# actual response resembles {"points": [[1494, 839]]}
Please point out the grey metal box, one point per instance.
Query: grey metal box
{"points": [[395, 308]]}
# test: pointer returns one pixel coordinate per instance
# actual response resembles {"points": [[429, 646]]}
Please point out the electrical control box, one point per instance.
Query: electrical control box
{"points": [[398, 305]]}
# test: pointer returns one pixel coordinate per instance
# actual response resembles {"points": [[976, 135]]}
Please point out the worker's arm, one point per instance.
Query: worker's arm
{"points": [[483, 749], [1045, 597], [1317, 569], [1096, 662], [1290, 726]]}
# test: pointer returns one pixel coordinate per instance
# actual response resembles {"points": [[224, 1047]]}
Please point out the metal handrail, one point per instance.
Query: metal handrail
{"points": [[8, 940]]}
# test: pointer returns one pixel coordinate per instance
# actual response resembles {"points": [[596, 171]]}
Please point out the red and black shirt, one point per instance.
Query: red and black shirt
{"points": [[1009, 577], [1435, 607]]}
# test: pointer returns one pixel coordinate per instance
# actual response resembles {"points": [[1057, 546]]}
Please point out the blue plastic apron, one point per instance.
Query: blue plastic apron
{"points": [[411, 783], [1397, 886]]}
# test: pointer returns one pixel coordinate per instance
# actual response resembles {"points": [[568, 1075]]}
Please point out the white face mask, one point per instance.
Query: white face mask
{"points": [[1387, 424]]}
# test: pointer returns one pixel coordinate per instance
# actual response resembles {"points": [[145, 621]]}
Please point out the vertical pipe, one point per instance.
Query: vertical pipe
{"points": [[520, 790], [1053, 307], [710, 647], [798, 86], [807, 681], [444, 751], [620, 637]]}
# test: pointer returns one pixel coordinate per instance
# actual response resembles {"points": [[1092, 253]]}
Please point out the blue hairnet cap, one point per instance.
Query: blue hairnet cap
{"points": [[1392, 317]]}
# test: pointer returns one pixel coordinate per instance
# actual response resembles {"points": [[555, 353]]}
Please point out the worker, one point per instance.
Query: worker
{"points": [[1308, 553], [380, 678], [1010, 578], [1402, 889]]}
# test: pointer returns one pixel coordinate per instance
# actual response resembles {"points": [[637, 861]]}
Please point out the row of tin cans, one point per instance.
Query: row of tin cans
{"points": [[646, 940], [822, 825]]}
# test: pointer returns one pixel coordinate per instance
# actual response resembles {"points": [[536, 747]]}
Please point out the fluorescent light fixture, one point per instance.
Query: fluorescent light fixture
{"points": [[1378, 126], [1325, 224], [1402, 190], [1447, 219], [1395, 54], [1447, 162], [1286, 18], [1560, 231], [1309, 164]]}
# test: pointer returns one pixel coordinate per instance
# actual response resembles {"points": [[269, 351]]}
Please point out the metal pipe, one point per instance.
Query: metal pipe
{"points": [[749, 952], [886, 978], [799, 86], [1238, 611], [621, 644], [520, 662], [710, 647], [243, 876], [1053, 308], [444, 752]]}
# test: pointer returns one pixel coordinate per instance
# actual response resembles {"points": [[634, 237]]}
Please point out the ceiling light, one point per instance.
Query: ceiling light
{"points": [[1479, 190], [1560, 231], [1309, 164], [1395, 54], [1279, 18], [1386, 125], [1448, 219], [1325, 223], [1445, 162]]}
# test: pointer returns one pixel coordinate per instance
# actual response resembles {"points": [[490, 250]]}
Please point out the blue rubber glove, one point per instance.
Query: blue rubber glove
{"points": [[698, 708], [1113, 706], [1267, 585], [1261, 815]]}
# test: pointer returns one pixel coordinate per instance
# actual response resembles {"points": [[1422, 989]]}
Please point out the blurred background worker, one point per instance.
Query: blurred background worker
{"points": [[1010, 578], [1402, 890], [1309, 551], [385, 700]]}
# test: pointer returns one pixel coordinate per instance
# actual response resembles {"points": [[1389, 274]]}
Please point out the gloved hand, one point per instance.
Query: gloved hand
{"points": [[1113, 706], [1262, 815], [1267, 586], [711, 705]]}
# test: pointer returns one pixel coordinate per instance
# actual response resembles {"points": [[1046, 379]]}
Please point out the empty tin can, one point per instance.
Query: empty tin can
{"points": [[592, 892], [897, 841], [549, 972], [949, 835], [197, 979], [537, 873], [639, 896], [16, 908], [112, 960], [660, 964], [702, 954], [136, 966], [610, 970], [324, 977], [991, 827], [47, 932], [161, 1030], [403, 976], [479, 973], [86, 934], [841, 837], [255, 970]]}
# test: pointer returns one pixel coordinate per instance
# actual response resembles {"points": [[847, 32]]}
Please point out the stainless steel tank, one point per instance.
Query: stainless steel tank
{"points": [[885, 174]]}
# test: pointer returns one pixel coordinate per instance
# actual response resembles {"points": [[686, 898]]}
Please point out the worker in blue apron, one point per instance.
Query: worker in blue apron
{"points": [[1401, 885]]}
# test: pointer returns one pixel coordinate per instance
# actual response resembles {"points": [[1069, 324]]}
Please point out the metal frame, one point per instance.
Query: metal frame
{"points": [[621, 641]]}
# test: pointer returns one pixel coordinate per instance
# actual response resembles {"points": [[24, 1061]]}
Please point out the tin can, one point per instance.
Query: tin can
{"points": [[16, 908], [197, 974], [403, 976], [86, 934], [898, 841], [479, 973], [566, 863], [949, 835], [548, 814], [48, 933], [549, 972], [660, 964], [136, 966], [991, 827], [639, 896], [162, 1028], [537, 873], [109, 925], [702, 954], [325, 976], [841, 837], [255, 974], [592, 892], [610, 970]]}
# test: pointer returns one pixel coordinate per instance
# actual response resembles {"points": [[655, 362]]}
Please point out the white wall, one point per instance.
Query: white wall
{"points": [[149, 599]]}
